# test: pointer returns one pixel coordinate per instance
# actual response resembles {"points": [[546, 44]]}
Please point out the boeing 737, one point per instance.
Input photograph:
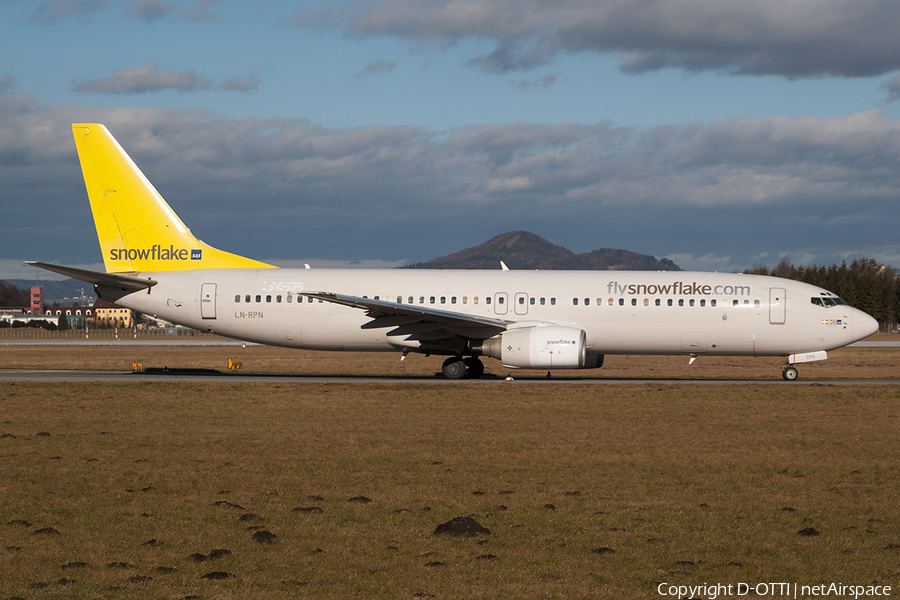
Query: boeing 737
{"points": [[526, 319]]}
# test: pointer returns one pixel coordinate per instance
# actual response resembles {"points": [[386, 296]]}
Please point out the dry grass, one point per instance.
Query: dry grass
{"points": [[846, 363], [686, 484]]}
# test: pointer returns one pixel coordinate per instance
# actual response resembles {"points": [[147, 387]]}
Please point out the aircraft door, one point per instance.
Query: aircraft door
{"points": [[208, 301], [521, 304], [777, 303], [500, 299]]}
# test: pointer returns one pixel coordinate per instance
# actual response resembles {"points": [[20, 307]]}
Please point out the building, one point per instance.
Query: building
{"points": [[78, 317], [37, 301], [8, 316], [100, 315], [109, 315]]}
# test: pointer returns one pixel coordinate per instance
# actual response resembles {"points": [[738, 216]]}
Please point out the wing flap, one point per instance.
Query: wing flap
{"points": [[419, 322]]}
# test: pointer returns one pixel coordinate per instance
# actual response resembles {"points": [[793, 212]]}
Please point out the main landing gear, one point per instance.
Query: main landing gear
{"points": [[789, 373], [457, 367]]}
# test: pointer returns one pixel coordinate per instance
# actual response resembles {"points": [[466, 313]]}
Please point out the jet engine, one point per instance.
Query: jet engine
{"points": [[546, 347]]}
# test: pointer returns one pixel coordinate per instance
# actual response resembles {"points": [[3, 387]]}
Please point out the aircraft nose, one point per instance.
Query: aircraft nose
{"points": [[863, 325]]}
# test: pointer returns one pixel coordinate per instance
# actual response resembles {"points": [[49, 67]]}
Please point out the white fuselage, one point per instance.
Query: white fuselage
{"points": [[622, 312]]}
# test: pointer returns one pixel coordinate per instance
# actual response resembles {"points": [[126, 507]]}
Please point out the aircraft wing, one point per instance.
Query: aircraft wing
{"points": [[417, 322], [122, 282]]}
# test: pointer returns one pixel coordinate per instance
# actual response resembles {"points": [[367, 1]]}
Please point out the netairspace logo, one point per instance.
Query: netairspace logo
{"points": [[155, 252], [773, 590]]}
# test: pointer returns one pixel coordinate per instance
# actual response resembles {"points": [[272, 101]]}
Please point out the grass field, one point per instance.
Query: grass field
{"points": [[845, 363], [589, 492]]}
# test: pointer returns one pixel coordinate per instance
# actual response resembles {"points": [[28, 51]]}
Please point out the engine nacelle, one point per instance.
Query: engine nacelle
{"points": [[550, 347]]}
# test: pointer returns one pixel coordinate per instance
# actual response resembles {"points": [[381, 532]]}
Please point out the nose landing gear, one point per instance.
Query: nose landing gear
{"points": [[789, 373]]}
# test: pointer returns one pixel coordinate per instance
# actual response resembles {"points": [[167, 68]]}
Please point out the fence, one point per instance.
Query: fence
{"points": [[37, 333]]}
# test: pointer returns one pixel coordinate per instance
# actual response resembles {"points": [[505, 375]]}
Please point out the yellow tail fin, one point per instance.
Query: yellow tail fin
{"points": [[138, 230]]}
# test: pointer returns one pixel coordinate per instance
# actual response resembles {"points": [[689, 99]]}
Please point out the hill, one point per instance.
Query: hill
{"points": [[524, 250], [64, 291]]}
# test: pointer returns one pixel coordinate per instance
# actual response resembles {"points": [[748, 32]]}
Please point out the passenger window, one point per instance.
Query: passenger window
{"points": [[587, 301], [734, 302], [669, 302], [646, 301], [658, 301], [634, 301], [755, 303], [621, 301], [237, 299], [521, 299], [452, 299], [399, 299], [277, 299], [377, 298], [465, 299], [692, 302], [552, 301], [247, 298], [712, 302], [531, 301], [309, 299], [703, 303], [542, 301], [500, 300], [268, 298], [431, 300], [421, 299], [746, 303], [475, 300], [289, 299], [259, 298], [487, 300], [410, 300], [681, 302], [610, 302], [443, 299], [575, 301]]}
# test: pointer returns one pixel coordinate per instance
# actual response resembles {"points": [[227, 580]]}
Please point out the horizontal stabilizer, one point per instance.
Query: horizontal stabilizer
{"points": [[122, 282]]}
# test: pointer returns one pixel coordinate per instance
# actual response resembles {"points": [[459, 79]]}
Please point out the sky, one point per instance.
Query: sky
{"points": [[722, 134]]}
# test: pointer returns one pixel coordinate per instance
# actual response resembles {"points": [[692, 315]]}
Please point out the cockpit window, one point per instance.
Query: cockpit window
{"points": [[827, 301]]}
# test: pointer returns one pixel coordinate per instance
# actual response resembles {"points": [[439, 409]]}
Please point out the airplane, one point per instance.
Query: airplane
{"points": [[527, 319]]}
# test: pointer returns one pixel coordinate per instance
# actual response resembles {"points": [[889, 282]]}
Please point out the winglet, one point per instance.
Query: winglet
{"points": [[137, 229]]}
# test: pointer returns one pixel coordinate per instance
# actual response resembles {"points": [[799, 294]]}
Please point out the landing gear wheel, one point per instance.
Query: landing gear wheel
{"points": [[475, 368], [454, 368], [789, 373]]}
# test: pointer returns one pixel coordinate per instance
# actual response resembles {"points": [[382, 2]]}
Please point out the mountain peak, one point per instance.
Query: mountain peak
{"points": [[526, 250]]}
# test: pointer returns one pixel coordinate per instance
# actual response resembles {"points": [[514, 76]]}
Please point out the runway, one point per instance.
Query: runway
{"points": [[69, 376]]}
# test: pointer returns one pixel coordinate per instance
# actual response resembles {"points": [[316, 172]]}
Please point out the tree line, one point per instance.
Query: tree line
{"points": [[864, 284], [11, 296]]}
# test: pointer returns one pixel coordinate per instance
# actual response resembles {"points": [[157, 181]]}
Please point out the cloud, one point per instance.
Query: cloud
{"points": [[787, 38], [7, 84], [149, 10], [378, 67], [143, 79], [199, 12], [283, 188], [542, 82], [147, 78], [236, 84], [50, 12], [892, 86]]}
